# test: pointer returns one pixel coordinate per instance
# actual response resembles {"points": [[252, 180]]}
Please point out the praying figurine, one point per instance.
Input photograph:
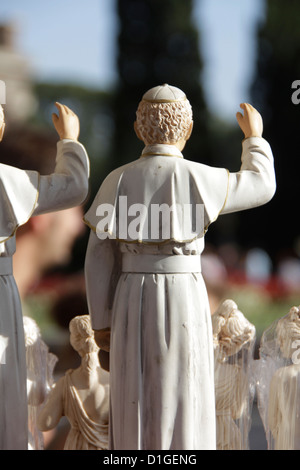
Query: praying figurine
{"points": [[24, 194], [278, 382], [234, 339], [40, 365], [82, 395], [146, 295]]}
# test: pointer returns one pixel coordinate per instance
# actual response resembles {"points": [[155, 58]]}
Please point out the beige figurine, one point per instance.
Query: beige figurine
{"points": [[234, 338], [82, 395], [146, 295], [40, 365], [24, 194], [283, 404]]}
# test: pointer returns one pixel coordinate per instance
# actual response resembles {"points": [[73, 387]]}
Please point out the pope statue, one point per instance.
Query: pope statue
{"points": [[24, 194], [146, 295]]}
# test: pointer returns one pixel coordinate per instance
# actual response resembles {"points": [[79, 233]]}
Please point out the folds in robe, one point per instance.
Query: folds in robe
{"points": [[128, 206], [18, 194]]}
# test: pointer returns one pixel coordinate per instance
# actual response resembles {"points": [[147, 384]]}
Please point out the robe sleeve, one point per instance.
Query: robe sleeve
{"points": [[18, 193], [68, 185], [255, 184], [102, 270]]}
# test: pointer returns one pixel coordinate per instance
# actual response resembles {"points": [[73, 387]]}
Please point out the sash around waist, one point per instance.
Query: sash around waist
{"points": [[160, 264], [5, 265]]}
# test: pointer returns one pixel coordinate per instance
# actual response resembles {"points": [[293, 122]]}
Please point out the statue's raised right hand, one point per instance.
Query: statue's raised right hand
{"points": [[66, 122], [251, 122]]}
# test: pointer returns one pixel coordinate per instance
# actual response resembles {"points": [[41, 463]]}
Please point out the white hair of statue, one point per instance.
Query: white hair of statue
{"points": [[82, 335], [164, 123], [288, 331]]}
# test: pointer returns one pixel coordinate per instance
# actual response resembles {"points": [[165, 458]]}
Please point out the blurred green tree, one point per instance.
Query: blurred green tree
{"points": [[158, 43], [93, 107], [278, 66]]}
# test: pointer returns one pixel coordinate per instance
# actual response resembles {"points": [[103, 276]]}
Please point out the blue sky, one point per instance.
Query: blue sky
{"points": [[228, 50], [76, 40], [66, 39]]}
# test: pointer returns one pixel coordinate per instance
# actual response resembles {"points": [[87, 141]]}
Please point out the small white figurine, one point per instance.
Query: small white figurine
{"points": [[146, 295], [234, 338], [279, 382], [82, 395], [40, 365], [24, 194]]}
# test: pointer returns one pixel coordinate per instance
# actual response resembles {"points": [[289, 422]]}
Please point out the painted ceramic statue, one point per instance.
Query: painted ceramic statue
{"points": [[24, 194], [278, 382], [82, 395], [234, 338], [147, 298]]}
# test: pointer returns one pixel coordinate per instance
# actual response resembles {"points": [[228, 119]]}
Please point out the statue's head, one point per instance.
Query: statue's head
{"points": [[164, 116], [288, 332], [2, 123], [231, 330], [31, 331], [82, 335]]}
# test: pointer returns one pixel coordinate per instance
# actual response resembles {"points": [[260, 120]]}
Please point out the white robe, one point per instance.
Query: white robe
{"points": [[284, 408], [85, 434], [23, 194], [152, 294]]}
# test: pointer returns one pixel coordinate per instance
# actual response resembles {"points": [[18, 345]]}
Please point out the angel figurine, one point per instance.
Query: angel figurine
{"points": [[278, 382], [234, 338], [24, 194], [82, 395], [146, 295]]}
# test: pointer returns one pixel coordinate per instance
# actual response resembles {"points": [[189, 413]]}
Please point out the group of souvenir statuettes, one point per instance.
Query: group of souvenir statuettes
{"points": [[180, 377]]}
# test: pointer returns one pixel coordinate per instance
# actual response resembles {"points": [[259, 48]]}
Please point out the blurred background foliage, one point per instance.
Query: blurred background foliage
{"points": [[277, 66], [158, 42]]}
